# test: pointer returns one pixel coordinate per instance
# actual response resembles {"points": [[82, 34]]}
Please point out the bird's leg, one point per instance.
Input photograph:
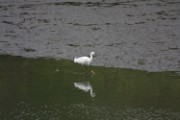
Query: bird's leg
{"points": [[86, 69], [85, 72], [85, 76]]}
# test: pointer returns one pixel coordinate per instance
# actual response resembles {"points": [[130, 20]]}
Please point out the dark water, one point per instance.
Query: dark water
{"points": [[138, 34], [48, 89]]}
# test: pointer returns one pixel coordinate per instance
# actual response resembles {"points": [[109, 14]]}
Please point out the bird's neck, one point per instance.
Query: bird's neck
{"points": [[91, 56]]}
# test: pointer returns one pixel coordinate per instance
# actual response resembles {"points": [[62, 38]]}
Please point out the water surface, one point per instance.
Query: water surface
{"points": [[46, 89]]}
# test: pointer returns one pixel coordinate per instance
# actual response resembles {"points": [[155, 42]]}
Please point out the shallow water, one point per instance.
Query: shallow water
{"points": [[138, 34], [46, 89]]}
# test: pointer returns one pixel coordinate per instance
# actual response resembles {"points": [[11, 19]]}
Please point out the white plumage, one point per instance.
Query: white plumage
{"points": [[84, 60]]}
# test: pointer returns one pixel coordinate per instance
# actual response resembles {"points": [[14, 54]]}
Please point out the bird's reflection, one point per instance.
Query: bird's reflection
{"points": [[85, 86]]}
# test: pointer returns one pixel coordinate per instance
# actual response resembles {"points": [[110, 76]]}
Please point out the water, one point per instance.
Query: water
{"points": [[46, 89], [135, 74], [138, 34]]}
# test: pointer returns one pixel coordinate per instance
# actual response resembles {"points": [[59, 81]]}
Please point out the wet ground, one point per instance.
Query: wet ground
{"points": [[137, 34], [48, 89]]}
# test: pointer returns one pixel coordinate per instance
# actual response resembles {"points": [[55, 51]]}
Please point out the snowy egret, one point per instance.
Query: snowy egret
{"points": [[85, 86], [84, 60]]}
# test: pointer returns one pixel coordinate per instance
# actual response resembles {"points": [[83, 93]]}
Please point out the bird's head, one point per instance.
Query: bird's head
{"points": [[92, 53]]}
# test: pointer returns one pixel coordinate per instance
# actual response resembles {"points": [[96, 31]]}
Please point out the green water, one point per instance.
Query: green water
{"points": [[44, 89]]}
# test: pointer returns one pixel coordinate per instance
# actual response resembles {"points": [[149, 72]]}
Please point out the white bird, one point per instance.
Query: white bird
{"points": [[84, 60], [85, 86]]}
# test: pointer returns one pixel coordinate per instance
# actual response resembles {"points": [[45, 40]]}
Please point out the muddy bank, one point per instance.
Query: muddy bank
{"points": [[127, 34]]}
